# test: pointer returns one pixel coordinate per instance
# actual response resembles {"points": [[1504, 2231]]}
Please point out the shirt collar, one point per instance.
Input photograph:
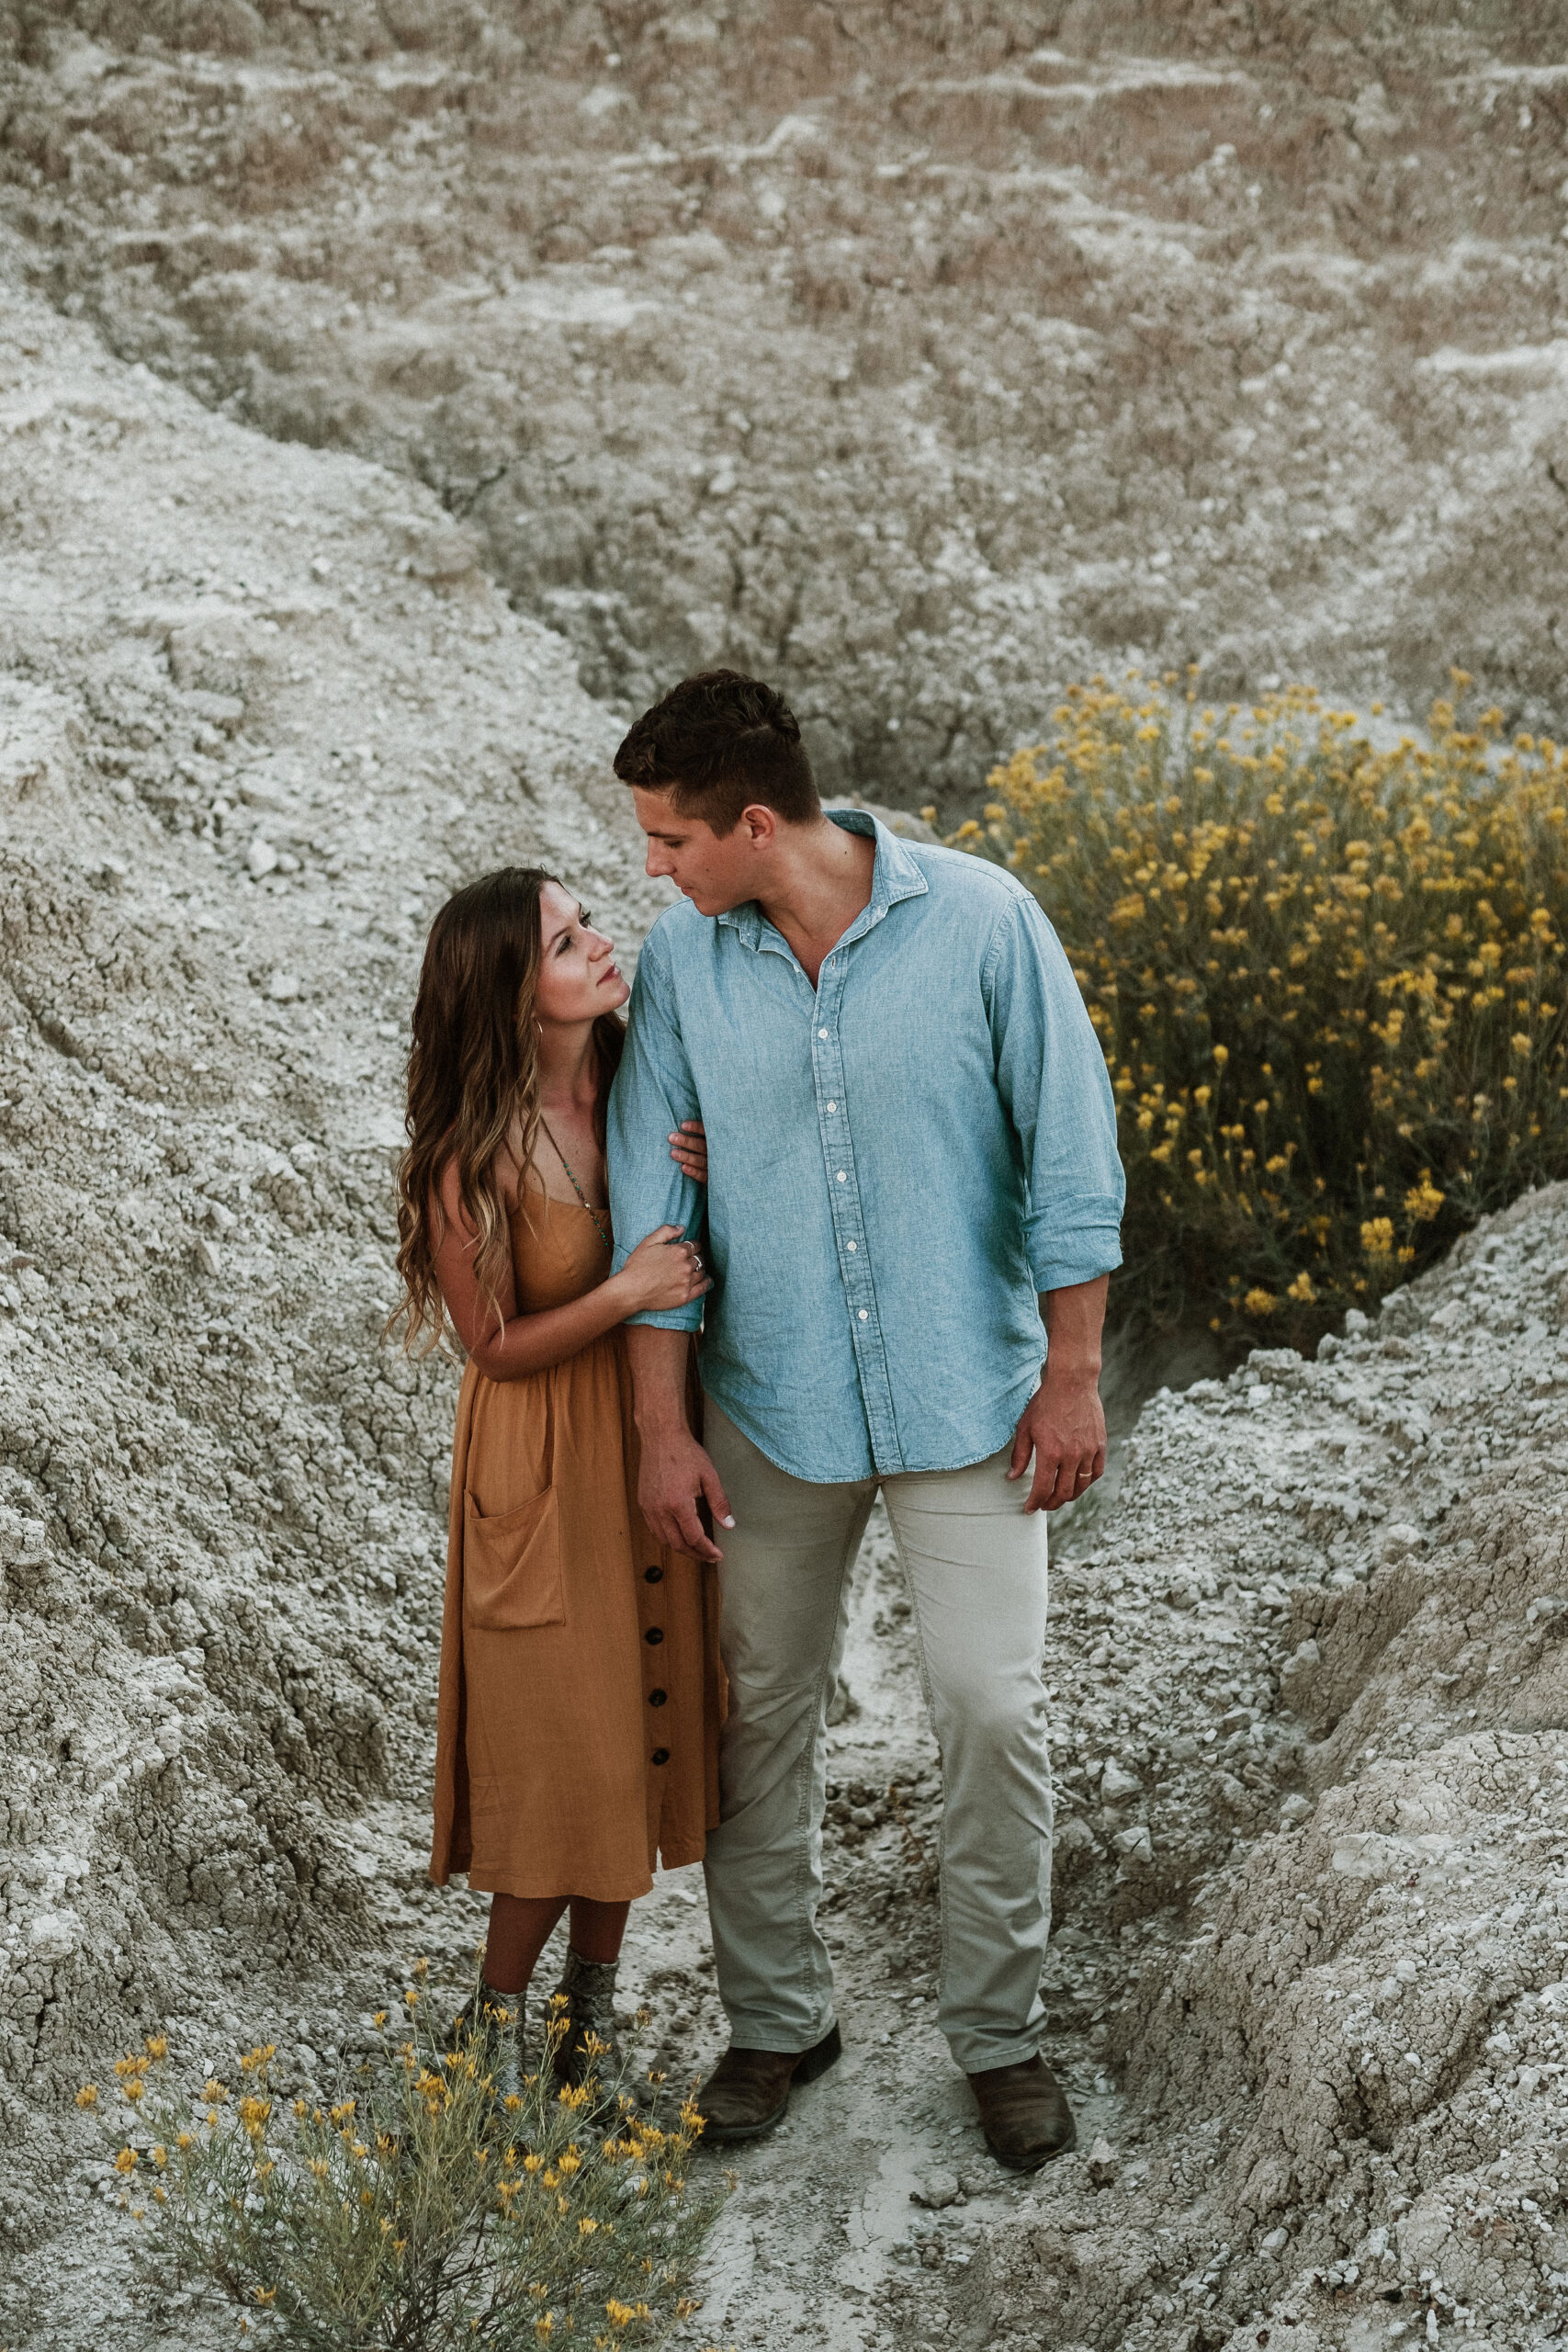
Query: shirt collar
{"points": [[895, 876]]}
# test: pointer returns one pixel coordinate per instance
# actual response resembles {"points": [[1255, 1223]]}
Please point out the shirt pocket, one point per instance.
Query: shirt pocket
{"points": [[512, 1565]]}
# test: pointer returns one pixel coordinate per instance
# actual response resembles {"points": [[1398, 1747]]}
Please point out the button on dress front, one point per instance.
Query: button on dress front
{"points": [[582, 1691]]}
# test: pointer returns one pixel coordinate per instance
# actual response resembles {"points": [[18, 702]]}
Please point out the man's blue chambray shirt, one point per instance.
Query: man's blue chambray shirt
{"points": [[900, 1160]]}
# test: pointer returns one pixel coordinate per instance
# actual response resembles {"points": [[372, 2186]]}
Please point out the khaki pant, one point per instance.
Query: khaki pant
{"points": [[976, 1573]]}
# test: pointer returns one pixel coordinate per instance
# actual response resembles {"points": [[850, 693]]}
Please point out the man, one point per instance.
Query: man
{"points": [[912, 1160]]}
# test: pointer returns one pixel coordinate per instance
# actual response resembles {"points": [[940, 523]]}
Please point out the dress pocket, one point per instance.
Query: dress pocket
{"points": [[512, 1566]]}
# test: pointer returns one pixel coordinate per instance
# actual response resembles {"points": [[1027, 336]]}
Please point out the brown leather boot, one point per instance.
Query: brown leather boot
{"points": [[747, 2092], [1024, 2113]]}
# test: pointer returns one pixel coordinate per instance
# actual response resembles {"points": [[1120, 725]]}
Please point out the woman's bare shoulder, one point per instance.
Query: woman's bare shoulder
{"points": [[448, 1185]]}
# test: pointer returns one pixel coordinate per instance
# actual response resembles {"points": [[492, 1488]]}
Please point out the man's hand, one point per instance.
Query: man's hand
{"points": [[1063, 1427], [1063, 1422], [673, 1477]]}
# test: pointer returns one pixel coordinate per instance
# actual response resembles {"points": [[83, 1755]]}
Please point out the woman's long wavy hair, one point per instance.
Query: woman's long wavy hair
{"points": [[473, 1084]]}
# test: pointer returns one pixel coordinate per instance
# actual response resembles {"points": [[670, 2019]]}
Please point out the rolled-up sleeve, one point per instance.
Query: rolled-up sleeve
{"points": [[652, 1094], [1051, 1074]]}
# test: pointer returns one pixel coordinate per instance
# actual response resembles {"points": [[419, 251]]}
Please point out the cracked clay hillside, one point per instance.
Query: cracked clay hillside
{"points": [[391, 401]]}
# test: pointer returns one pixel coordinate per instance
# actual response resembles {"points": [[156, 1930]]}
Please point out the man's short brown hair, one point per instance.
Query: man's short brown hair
{"points": [[718, 742]]}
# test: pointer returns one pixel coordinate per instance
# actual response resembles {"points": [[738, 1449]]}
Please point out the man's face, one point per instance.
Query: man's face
{"points": [[716, 871]]}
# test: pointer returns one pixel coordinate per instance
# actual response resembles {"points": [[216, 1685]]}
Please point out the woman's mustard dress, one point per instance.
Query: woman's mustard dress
{"points": [[582, 1692]]}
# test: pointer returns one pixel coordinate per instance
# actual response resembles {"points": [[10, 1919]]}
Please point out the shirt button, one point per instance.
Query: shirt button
{"points": [[821, 1032], [862, 1315], [653, 1637], [660, 1756], [657, 1698], [855, 1245], [842, 1178], [653, 1575], [832, 1106]]}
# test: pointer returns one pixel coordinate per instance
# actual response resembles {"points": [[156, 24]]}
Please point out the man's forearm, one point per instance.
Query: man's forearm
{"points": [[658, 1360], [1074, 1319]]}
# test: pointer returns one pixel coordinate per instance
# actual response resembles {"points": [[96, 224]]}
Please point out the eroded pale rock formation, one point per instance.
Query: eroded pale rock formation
{"points": [[261, 704], [923, 355]]}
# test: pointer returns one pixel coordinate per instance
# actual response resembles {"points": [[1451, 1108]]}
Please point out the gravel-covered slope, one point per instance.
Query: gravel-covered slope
{"points": [[258, 711], [1332, 1597]]}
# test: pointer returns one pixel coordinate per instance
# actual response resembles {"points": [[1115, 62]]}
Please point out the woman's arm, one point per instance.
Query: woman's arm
{"points": [[662, 1272]]}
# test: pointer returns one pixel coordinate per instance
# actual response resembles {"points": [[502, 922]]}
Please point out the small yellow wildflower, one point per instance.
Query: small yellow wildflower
{"points": [[1259, 1301], [126, 2160], [1423, 1200], [87, 2096]]}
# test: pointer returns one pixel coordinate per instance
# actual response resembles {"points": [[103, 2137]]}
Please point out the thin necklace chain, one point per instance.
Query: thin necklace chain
{"points": [[600, 1227]]}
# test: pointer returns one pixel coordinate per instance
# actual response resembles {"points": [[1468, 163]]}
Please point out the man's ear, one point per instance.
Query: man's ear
{"points": [[761, 824]]}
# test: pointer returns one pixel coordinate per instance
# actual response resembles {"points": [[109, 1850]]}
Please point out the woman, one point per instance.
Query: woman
{"points": [[581, 1689]]}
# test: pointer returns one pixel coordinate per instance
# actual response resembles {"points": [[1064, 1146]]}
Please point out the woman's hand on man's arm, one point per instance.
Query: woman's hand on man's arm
{"points": [[689, 1150], [665, 1271]]}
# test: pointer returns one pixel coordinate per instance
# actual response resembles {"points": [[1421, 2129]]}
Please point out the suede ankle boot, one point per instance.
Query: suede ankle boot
{"points": [[492, 2024], [584, 2001]]}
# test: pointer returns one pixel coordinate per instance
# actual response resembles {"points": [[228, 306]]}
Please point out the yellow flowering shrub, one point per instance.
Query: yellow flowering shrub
{"points": [[427, 2208], [1329, 979]]}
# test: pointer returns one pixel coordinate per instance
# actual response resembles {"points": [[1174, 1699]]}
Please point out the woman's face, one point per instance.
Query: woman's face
{"points": [[578, 978]]}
